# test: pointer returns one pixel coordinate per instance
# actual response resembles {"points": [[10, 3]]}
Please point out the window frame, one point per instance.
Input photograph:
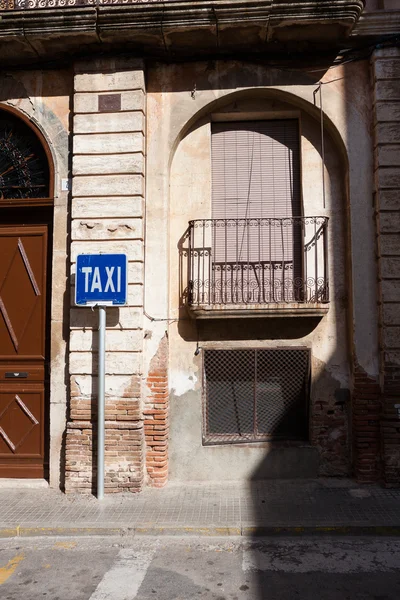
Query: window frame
{"points": [[232, 439]]}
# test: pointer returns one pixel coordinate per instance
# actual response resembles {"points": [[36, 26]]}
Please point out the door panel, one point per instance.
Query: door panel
{"points": [[21, 414], [22, 292], [23, 367]]}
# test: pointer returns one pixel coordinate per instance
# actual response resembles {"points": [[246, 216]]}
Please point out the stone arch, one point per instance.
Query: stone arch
{"points": [[267, 93], [38, 139]]}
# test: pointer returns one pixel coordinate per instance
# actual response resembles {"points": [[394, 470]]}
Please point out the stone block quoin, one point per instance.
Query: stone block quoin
{"points": [[385, 66], [107, 216]]}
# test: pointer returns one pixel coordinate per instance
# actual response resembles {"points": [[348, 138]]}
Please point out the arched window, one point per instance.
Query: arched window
{"points": [[24, 166]]}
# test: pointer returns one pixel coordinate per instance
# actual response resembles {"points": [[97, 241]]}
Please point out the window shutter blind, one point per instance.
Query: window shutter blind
{"points": [[255, 169], [256, 174]]}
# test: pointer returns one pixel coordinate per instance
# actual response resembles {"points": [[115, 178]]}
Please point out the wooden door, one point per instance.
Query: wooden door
{"points": [[23, 365]]}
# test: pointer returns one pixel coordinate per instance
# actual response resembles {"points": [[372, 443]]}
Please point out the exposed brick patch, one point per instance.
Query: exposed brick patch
{"points": [[366, 427], [390, 425], [116, 409], [124, 441], [123, 457], [155, 414], [329, 418], [329, 435]]}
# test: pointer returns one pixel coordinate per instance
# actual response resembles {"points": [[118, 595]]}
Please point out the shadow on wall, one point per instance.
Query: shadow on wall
{"points": [[194, 77], [330, 420], [219, 330]]}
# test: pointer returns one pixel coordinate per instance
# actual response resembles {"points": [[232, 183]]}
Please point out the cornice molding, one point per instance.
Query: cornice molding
{"points": [[173, 29], [376, 24]]}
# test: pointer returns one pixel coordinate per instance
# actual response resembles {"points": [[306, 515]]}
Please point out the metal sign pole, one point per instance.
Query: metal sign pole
{"points": [[101, 280], [101, 403]]}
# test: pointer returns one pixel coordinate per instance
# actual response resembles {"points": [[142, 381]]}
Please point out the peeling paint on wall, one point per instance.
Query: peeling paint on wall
{"points": [[182, 382]]}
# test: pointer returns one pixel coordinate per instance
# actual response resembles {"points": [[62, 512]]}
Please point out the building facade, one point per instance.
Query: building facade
{"points": [[245, 157]]}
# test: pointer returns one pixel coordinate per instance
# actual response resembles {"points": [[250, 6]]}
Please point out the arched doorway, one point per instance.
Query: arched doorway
{"points": [[26, 213]]}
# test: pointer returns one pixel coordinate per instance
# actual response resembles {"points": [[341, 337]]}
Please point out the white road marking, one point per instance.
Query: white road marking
{"points": [[123, 580], [324, 557]]}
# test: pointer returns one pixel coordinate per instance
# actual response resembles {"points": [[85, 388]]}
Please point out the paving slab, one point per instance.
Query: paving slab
{"points": [[257, 508]]}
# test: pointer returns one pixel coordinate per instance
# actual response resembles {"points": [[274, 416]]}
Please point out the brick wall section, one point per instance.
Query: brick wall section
{"points": [[329, 433], [155, 414], [366, 427], [107, 216], [123, 456], [390, 424], [386, 79]]}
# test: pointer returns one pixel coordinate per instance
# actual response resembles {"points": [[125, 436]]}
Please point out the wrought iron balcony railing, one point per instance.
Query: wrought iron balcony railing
{"points": [[257, 261]]}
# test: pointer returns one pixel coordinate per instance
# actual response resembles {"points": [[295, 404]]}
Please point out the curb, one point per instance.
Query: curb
{"points": [[246, 532]]}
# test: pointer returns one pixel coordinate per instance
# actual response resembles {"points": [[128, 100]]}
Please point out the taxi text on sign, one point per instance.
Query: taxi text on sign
{"points": [[101, 279]]}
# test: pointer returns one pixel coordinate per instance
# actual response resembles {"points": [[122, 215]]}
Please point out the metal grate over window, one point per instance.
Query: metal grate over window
{"points": [[255, 395]]}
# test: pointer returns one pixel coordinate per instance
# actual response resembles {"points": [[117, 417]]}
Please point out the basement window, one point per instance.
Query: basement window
{"points": [[254, 395]]}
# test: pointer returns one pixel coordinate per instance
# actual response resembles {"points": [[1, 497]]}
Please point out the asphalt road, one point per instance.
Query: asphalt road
{"points": [[171, 568]]}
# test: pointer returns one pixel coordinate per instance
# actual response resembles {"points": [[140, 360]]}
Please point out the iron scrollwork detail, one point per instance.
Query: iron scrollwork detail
{"points": [[24, 171], [284, 260]]}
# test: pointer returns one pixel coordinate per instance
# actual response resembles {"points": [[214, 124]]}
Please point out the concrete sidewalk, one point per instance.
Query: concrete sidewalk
{"points": [[260, 508]]}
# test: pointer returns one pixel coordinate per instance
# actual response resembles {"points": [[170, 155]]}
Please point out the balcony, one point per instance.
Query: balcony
{"points": [[257, 267]]}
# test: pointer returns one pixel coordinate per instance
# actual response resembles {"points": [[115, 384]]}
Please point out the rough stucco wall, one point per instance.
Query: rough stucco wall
{"points": [[191, 184], [197, 85], [44, 97], [178, 96]]}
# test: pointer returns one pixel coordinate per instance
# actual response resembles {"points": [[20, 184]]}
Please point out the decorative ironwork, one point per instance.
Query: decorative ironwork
{"points": [[34, 4], [7, 5], [253, 395], [24, 171], [257, 261]]}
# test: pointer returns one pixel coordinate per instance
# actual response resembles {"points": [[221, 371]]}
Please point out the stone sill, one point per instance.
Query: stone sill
{"points": [[266, 444], [251, 311]]}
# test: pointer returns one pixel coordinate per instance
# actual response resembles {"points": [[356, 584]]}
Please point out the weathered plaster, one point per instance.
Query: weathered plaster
{"points": [[202, 88], [181, 99], [182, 382], [191, 461]]}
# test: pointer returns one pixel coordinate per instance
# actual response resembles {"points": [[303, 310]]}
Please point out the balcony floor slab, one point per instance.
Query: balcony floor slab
{"points": [[251, 311]]}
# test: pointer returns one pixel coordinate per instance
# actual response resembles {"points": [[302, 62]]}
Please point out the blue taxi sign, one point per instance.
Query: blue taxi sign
{"points": [[101, 279]]}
